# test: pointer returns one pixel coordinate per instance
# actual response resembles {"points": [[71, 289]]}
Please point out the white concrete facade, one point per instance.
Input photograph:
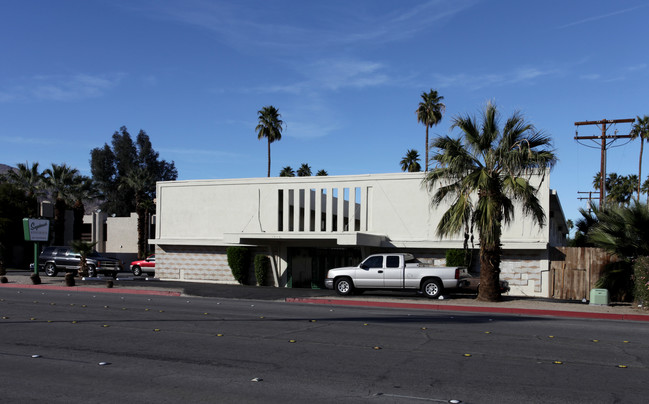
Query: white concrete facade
{"points": [[294, 219]]}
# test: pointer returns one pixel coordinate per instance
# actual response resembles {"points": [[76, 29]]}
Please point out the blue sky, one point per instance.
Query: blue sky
{"points": [[346, 77]]}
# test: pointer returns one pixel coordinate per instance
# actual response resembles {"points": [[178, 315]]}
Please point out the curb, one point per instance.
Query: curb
{"points": [[475, 309], [95, 290]]}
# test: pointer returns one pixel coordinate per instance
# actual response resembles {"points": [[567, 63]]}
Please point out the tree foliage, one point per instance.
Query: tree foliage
{"points": [[60, 180], [14, 206], [28, 179], [622, 231], [410, 162], [429, 112], [287, 172], [640, 130], [239, 262], [112, 165], [269, 126], [262, 266], [304, 170], [619, 188], [483, 173]]}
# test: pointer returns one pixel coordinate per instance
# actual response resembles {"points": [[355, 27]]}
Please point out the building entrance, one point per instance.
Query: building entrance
{"points": [[307, 266]]}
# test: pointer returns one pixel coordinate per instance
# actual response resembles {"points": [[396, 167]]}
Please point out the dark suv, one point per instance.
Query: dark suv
{"points": [[64, 259]]}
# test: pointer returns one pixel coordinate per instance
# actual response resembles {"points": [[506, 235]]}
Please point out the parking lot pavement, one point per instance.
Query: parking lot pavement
{"points": [[453, 302]]}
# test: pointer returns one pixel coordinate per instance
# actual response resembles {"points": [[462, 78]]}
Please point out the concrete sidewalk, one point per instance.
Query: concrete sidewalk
{"points": [[387, 299]]}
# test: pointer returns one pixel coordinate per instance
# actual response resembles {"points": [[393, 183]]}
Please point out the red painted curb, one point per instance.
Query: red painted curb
{"points": [[478, 309], [96, 290]]}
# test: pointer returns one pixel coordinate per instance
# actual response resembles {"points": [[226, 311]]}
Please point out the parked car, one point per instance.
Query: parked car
{"points": [[394, 271], [471, 283], [146, 265], [55, 259]]}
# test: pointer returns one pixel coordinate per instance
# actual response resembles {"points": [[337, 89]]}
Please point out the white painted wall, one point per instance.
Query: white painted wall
{"points": [[214, 212]]}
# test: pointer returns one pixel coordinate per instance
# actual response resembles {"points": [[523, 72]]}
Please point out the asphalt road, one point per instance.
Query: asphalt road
{"points": [[107, 348]]}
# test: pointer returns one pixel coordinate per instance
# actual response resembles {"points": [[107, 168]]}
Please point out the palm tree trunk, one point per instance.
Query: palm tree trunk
{"points": [[77, 226], [426, 148], [269, 157], [640, 167], [59, 221], [489, 290]]}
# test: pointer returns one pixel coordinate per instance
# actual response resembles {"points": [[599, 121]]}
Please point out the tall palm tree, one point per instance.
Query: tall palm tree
{"points": [[429, 113], [30, 180], [321, 173], [640, 129], [483, 173], [287, 172], [304, 170], [59, 180], [269, 127], [141, 182], [410, 162], [619, 188]]}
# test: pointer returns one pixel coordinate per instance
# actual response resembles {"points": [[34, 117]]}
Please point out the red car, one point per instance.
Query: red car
{"points": [[146, 265]]}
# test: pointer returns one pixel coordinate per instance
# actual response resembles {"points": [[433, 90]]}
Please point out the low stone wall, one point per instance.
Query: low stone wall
{"points": [[193, 263]]}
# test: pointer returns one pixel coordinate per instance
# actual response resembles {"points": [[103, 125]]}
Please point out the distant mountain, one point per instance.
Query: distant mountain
{"points": [[4, 168]]}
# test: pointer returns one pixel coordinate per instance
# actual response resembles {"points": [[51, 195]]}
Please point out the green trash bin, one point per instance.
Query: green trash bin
{"points": [[599, 297]]}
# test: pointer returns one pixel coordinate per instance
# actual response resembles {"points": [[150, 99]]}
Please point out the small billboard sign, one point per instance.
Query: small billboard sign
{"points": [[36, 229]]}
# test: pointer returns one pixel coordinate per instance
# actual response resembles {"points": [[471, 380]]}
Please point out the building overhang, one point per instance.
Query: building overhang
{"points": [[344, 239], [350, 239]]}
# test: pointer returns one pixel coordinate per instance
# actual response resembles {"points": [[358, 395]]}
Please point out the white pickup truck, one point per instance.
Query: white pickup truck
{"points": [[394, 271]]}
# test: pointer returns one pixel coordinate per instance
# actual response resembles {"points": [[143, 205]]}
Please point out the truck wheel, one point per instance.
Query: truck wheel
{"points": [[92, 272], [50, 269], [432, 288], [137, 271], [344, 286]]}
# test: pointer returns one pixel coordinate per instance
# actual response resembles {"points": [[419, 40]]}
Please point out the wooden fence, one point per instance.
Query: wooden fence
{"points": [[575, 270]]}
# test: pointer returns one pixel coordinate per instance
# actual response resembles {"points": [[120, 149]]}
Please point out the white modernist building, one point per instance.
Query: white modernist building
{"points": [[308, 225]]}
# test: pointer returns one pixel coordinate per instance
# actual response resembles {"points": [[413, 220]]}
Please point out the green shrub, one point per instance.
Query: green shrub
{"points": [[238, 260], [641, 275], [456, 258], [262, 265]]}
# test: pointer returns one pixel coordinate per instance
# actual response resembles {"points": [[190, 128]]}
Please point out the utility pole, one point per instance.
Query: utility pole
{"points": [[589, 197], [603, 138]]}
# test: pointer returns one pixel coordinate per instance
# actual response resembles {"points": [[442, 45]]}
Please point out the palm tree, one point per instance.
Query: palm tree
{"points": [[484, 172], [619, 188], [141, 182], [430, 112], [622, 231], [410, 162], [304, 170], [287, 172], [29, 180], [59, 180], [269, 127], [321, 173], [640, 129], [84, 249]]}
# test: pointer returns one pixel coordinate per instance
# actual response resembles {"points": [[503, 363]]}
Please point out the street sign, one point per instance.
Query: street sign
{"points": [[36, 229]]}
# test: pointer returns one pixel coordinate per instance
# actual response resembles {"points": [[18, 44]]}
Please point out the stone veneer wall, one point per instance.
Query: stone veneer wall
{"points": [[193, 263], [524, 273]]}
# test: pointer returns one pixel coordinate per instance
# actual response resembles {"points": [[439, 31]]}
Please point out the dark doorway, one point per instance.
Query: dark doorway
{"points": [[308, 266]]}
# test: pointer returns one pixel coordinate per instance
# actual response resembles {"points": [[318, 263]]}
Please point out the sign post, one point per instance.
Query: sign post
{"points": [[36, 230]]}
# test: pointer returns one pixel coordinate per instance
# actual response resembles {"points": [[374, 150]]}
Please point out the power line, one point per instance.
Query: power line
{"points": [[603, 146]]}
